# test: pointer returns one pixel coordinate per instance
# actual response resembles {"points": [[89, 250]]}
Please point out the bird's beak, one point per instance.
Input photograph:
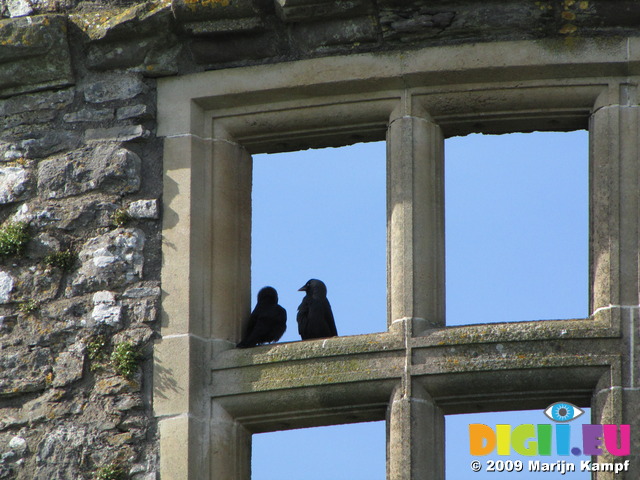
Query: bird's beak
{"points": [[303, 289]]}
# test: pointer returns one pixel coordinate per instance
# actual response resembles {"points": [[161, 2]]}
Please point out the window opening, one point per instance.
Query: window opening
{"points": [[320, 213], [340, 452], [516, 211]]}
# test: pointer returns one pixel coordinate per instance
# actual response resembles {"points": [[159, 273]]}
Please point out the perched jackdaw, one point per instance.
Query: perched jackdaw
{"points": [[315, 318], [267, 322]]}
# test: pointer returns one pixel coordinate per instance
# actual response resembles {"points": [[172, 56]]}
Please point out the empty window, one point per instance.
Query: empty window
{"points": [[516, 227], [340, 452]]}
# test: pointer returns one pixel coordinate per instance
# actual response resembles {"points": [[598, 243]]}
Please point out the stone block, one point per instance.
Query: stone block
{"points": [[106, 311], [234, 47], [88, 115], [18, 8], [13, 183], [312, 10], [115, 23], [24, 369], [34, 55], [161, 61], [133, 111], [10, 152], [6, 286], [121, 54], [107, 167], [125, 133], [110, 260], [335, 32], [144, 209], [45, 143], [36, 102], [225, 26], [141, 292], [200, 10], [119, 86], [69, 366]]}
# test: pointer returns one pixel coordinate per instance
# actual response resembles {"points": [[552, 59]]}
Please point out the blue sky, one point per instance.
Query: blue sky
{"points": [[517, 249]]}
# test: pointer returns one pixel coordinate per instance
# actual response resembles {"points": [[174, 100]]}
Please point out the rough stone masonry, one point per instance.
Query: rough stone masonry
{"points": [[81, 183]]}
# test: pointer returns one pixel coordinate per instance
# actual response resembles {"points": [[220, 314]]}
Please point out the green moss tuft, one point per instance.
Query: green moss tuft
{"points": [[13, 239], [96, 350], [125, 359], [64, 259], [121, 217], [28, 306], [111, 472]]}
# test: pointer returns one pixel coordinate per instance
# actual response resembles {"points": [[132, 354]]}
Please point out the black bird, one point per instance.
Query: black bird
{"points": [[267, 322], [315, 318]]}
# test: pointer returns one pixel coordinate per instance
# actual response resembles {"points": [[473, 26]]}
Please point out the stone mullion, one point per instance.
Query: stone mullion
{"points": [[415, 222], [415, 285], [229, 240], [615, 250], [229, 267], [415, 435]]}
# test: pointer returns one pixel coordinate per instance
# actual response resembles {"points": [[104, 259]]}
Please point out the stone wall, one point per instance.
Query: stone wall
{"points": [[81, 184]]}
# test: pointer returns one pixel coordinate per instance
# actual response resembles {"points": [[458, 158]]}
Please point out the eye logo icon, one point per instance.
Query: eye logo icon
{"points": [[563, 412]]}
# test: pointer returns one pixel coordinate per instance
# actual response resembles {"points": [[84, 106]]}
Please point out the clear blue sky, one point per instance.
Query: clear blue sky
{"points": [[517, 249]]}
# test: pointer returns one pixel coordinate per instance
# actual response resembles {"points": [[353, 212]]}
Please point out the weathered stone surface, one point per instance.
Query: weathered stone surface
{"points": [[141, 292], [311, 10], [87, 115], [29, 118], [18, 8], [10, 152], [144, 209], [106, 310], [108, 167], [133, 111], [230, 48], [6, 286], [69, 366], [62, 451], [124, 54], [336, 32], [110, 260], [36, 102], [37, 281], [34, 55], [220, 27], [147, 18], [107, 88], [69, 213], [7, 322], [116, 386], [199, 10], [24, 370], [161, 62], [45, 143], [13, 183], [145, 311], [125, 133], [19, 446]]}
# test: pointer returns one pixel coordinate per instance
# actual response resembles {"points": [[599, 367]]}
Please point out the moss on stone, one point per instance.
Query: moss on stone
{"points": [[13, 239]]}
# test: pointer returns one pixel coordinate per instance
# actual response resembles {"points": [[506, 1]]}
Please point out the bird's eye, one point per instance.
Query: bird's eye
{"points": [[563, 412]]}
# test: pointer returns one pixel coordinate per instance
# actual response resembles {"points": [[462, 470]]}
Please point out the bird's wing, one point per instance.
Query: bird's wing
{"points": [[303, 316], [279, 325], [251, 326], [328, 316]]}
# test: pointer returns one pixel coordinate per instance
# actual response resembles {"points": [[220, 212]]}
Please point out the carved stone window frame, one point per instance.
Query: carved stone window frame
{"points": [[210, 398]]}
